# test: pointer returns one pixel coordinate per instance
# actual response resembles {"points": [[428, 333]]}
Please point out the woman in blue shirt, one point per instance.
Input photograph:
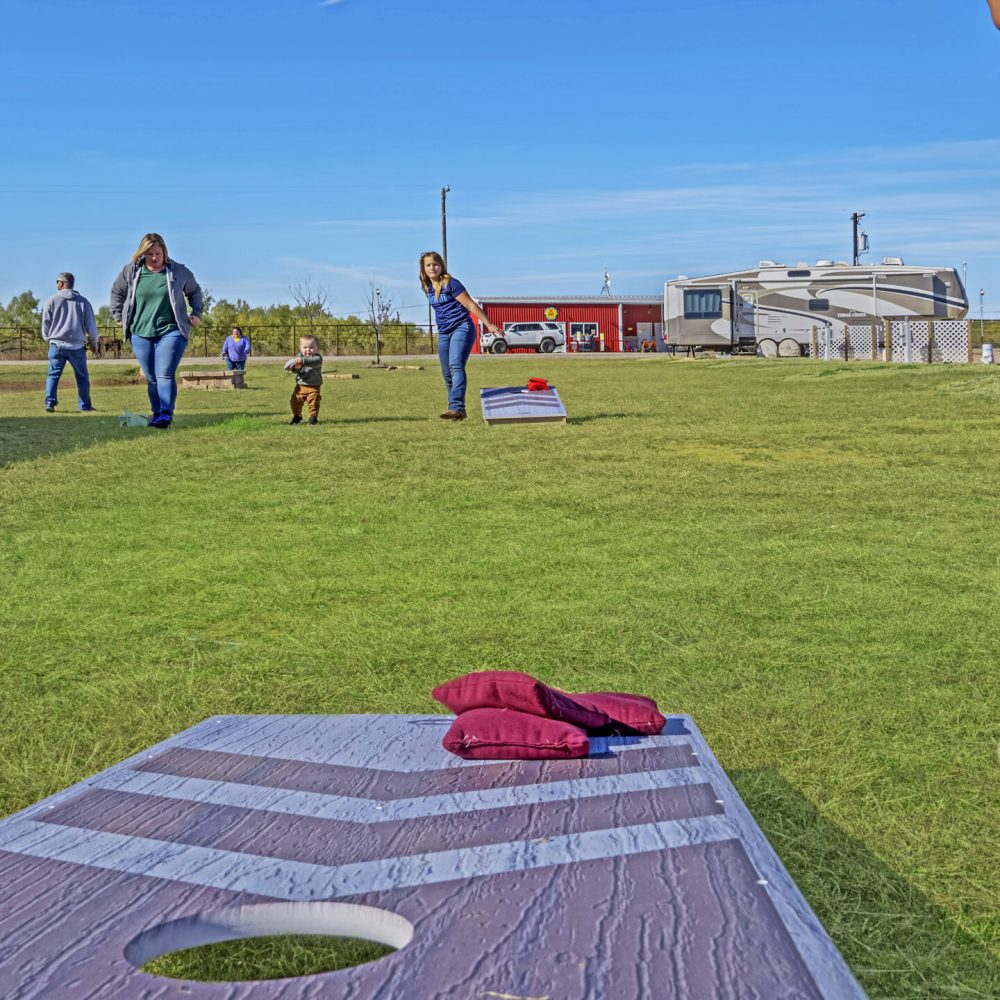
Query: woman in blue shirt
{"points": [[456, 334]]}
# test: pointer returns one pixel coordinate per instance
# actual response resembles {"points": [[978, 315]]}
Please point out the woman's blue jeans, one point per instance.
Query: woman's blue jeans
{"points": [[454, 348], [158, 358], [235, 365], [77, 357]]}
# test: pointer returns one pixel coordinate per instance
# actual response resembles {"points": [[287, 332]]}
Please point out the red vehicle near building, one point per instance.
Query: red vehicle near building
{"points": [[588, 323]]}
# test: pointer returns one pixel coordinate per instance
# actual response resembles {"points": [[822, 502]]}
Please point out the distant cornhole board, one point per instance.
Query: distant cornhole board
{"points": [[636, 872], [213, 380], [343, 376], [516, 404]]}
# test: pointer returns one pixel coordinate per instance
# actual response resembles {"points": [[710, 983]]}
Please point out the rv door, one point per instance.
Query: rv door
{"points": [[743, 326]]}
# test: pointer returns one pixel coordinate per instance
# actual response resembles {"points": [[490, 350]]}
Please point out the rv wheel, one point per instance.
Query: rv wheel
{"points": [[767, 348], [789, 348]]}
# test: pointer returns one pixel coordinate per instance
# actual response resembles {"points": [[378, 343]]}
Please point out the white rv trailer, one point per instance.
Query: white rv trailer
{"points": [[774, 308]]}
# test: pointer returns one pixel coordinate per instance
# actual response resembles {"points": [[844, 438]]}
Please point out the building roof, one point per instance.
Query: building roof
{"points": [[590, 300]]}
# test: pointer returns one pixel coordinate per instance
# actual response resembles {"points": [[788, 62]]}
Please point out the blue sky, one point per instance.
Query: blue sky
{"points": [[268, 140]]}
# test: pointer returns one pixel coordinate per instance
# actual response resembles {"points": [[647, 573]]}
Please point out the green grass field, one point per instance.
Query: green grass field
{"points": [[803, 556]]}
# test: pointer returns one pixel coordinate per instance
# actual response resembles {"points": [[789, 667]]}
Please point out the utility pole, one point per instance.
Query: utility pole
{"points": [[982, 292], [444, 228], [856, 218]]}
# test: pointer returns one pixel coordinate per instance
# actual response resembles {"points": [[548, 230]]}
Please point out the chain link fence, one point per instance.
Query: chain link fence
{"points": [[336, 339]]}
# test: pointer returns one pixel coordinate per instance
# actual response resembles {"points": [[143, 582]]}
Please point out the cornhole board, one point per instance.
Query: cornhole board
{"points": [[516, 404], [636, 872]]}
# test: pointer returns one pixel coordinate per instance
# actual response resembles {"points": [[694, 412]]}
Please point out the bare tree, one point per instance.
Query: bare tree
{"points": [[379, 312], [312, 299]]}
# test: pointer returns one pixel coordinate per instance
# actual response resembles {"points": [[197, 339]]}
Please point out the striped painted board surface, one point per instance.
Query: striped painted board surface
{"points": [[516, 404], [636, 872]]}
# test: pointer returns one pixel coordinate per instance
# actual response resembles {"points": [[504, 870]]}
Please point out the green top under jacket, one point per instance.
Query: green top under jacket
{"points": [[154, 315]]}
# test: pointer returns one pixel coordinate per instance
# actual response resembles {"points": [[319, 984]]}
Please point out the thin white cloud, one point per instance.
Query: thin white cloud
{"points": [[935, 203], [921, 179], [408, 223], [355, 272]]}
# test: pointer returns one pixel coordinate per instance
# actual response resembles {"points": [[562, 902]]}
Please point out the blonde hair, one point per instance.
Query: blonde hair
{"points": [[426, 282], [310, 337], [150, 240]]}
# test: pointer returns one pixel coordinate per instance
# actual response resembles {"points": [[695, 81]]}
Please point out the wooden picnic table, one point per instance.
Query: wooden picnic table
{"points": [[213, 380]]}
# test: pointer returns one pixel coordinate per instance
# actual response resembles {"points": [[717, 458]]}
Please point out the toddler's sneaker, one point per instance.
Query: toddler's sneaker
{"points": [[313, 420], [295, 420]]}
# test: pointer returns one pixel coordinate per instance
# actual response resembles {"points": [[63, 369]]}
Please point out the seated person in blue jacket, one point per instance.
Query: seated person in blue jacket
{"points": [[235, 350]]}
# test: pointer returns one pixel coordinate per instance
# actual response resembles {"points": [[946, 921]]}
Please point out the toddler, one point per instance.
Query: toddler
{"points": [[308, 368]]}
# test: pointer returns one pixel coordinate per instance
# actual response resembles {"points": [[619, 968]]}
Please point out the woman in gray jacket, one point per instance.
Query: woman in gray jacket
{"points": [[150, 300]]}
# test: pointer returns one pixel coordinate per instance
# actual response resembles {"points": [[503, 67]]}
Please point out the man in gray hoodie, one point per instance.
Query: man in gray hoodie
{"points": [[67, 322]]}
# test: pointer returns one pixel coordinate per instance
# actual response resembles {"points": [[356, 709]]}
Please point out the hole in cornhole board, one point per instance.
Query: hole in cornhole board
{"points": [[284, 956], [269, 941]]}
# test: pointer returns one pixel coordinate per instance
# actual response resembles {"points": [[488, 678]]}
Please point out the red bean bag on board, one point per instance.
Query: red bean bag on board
{"points": [[628, 713], [512, 689], [506, 734]]}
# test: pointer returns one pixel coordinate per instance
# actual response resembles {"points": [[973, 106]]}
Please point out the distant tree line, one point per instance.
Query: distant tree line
{"points": [[272, 329]]}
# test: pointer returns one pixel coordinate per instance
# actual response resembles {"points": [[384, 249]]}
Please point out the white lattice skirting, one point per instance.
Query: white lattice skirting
{"points": [[912, 341]]}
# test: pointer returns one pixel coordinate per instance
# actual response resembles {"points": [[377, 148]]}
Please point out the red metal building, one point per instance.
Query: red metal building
{"points": [[590, 322]]}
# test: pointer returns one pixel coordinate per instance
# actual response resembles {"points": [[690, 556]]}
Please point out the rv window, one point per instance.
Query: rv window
{"points": [[819, 305], [799, 274], [702, 303]]}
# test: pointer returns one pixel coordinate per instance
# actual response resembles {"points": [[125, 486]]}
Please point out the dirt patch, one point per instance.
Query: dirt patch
{"points": [[28, 385]]}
